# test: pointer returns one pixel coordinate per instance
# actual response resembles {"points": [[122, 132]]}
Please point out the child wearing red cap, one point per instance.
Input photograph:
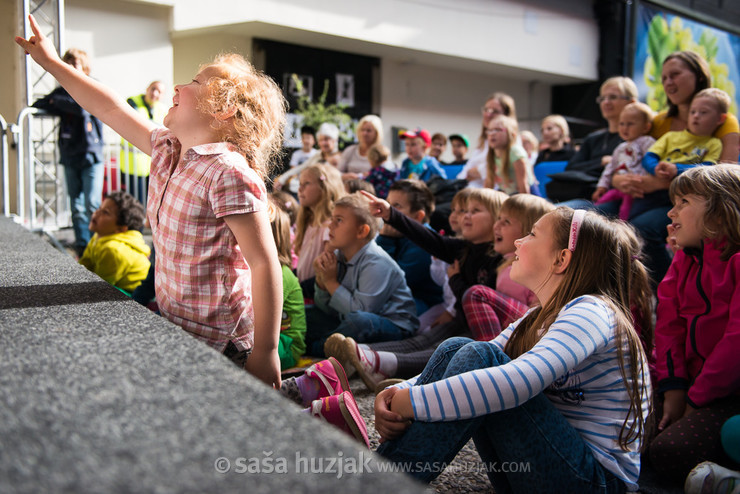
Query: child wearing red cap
{"points": [[418, 165]]}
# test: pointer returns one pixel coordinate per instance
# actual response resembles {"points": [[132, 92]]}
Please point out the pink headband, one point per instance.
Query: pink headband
{"points": [[575, 227]]}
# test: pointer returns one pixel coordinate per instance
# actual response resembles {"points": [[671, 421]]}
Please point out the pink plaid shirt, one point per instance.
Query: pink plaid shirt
{"points": [[202, 282]]}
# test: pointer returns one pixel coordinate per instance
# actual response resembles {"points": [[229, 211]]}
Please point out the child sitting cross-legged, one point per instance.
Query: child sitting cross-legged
{"points": [[564, 389], [360, 291], [117, 251]]}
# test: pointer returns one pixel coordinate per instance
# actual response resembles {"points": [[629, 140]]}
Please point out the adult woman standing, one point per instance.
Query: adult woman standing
{"points": [[684, 74], [474, 170], [354, 163]]}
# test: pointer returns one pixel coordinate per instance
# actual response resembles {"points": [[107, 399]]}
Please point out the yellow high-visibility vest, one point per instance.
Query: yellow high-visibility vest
{"points": [[132, 161]]}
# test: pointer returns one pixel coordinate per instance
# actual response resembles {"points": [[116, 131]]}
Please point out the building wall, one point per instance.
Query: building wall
{"points": [[190, 52], [450, 101], [533, 34], [129, 42]]}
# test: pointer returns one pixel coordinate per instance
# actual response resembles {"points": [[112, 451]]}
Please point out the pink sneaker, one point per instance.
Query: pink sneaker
{"points": [[331, 375], [341, 411], [369, 373]]}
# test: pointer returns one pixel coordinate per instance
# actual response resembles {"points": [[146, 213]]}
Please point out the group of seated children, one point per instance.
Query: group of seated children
{"points": [[399, 299], [672, 154]]}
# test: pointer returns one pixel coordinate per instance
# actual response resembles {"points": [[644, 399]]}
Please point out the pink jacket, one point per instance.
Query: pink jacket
{"points": [[697, 335]]}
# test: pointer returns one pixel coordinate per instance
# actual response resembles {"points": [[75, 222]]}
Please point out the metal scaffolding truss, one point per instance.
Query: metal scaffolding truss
{"points": [[42, 201]]}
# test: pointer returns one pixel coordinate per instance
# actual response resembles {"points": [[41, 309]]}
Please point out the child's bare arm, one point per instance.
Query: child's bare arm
{"points": [[520, 172], [89, 93], [254, 235]]}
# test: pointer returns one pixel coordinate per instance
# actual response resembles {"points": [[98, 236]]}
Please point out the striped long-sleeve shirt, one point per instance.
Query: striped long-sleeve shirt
{"points": [[575, 363]]}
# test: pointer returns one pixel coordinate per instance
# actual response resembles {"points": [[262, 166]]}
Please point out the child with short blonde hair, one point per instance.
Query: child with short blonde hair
{"points": [[635, 122], [208, 203], [383, 172], [555, 140], [678, 151]]}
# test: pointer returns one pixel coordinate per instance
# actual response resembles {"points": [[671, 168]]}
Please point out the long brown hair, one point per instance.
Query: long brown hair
{"points": [[332, 188], [512, 132], [280, 222], [698, 66], [602, 267]]}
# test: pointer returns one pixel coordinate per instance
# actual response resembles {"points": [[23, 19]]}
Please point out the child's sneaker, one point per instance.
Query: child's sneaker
{"points": [[710, 478], [369, 373], [341, 411], [334, 347], [330, 374]]}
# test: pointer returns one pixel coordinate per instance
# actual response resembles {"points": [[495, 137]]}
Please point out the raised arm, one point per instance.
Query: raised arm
{"points": [[93, 96]]}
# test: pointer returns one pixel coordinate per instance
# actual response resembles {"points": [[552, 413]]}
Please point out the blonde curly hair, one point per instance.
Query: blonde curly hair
{"points": [[259, 110]]}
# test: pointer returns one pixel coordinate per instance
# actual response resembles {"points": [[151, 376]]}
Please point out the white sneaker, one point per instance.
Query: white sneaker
{"points": [[709, 478]]}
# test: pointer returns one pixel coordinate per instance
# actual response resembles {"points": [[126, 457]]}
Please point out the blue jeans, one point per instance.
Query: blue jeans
{"points": [[85, 189], [550, 455], [363, 327]]}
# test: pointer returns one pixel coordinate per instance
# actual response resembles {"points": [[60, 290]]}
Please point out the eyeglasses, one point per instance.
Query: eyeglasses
{"points": [[610, 98], [490, 111], [494, 131]]}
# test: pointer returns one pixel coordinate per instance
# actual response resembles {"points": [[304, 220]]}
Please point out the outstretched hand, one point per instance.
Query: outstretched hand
{"points": [[378, 207], [38, 46]]}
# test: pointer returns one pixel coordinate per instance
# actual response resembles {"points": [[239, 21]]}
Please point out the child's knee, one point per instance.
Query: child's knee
{"points": [[481, 354], [454, 343]]}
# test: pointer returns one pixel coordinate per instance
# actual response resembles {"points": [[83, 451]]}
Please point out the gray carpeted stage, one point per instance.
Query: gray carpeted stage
{"points": [[97, 394]]}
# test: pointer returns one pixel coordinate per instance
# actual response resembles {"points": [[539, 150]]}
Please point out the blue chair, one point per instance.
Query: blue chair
{"points": [[545, 168], [452, 170]]}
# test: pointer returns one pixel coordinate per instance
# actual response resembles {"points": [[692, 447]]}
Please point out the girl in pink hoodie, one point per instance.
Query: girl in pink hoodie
{"points": [[697, 335]]}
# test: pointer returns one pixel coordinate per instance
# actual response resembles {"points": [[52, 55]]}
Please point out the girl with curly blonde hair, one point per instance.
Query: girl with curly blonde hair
{"points": [[208, 206]]}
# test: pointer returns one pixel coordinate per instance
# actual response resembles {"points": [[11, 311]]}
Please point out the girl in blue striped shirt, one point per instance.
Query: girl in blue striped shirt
{"points": [[561, 394]]}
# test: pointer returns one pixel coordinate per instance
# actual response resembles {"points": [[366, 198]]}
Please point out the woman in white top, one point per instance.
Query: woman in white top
{"points": [[354, 163]]}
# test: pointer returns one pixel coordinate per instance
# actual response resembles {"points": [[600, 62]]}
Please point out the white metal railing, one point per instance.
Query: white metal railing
{"points": [[42, 202], [5, 165]]}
